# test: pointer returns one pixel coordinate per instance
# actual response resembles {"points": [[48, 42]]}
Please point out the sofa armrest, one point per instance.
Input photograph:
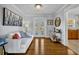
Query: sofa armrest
{"points": [[13, 44]]}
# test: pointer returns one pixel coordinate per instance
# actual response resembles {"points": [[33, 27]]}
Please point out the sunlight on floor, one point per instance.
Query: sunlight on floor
{"points": [[74, 45], [36, 46], [70, 52], [42, 46]]}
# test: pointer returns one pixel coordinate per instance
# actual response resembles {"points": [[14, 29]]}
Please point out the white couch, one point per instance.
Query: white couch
{"points": [[18, 45]]}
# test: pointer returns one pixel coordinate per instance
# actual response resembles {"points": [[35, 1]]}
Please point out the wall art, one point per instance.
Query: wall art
{"points": [[10, 18]]}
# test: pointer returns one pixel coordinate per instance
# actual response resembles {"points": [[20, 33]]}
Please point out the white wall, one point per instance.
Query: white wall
{"points": [[32, 19], [62, 27], [63, 14], [26, 19], [7, 29]]}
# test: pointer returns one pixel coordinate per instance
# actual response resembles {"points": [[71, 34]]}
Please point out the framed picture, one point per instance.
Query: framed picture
{"points": [[11, 19], [49, 22], [57, 21]]}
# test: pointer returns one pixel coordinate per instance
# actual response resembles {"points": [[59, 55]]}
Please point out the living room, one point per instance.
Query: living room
{"points": [[36, 21]]}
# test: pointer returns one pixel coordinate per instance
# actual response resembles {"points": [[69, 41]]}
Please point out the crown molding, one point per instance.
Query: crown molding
{"points": [[13, 8], [62, 8], [66, 8]]}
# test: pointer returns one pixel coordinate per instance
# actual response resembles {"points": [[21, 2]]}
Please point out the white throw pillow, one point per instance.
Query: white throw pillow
{"points": [[10, 35]]}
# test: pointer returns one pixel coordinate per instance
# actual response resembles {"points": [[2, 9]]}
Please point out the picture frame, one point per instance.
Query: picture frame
{"points": [[49, 22], [11, 19], [57, 21]]}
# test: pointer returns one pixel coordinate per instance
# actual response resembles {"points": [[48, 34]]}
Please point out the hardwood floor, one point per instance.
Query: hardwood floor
{"points": [[44, 46]]}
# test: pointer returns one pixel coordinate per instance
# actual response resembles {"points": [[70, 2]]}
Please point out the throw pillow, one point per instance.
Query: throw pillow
{"points": [[16, 36]]}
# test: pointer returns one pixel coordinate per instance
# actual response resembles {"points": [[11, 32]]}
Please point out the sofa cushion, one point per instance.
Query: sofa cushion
{"points": [[24, 35], [10, 36]]}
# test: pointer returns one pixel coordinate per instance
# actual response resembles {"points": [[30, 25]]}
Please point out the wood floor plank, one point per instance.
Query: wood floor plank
{"points": [[48, 47]]}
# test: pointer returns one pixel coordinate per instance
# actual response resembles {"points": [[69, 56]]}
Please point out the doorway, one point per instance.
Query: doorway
{"points": [[73, 29]]}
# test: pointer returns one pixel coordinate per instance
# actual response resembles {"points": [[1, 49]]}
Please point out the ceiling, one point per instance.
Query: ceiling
{"points": [[74, 11], [29, 9]]}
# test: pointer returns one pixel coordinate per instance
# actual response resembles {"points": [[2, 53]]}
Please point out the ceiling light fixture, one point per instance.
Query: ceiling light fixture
{"points": [[38, 6]]}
